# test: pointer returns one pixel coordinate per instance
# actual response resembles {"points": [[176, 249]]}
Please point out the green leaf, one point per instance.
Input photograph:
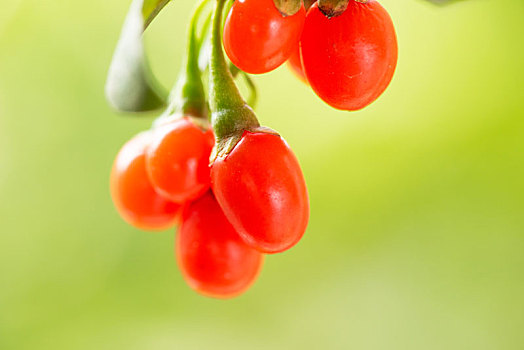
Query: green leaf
{"points": [[130, 85], [151, 8]]}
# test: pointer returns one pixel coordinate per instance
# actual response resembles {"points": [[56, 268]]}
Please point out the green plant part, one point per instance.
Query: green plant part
{"points": [[188, 97], [130, 84], [250, 84], [230, 114]]}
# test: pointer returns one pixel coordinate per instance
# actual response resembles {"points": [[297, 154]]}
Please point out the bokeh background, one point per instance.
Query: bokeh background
{"points": [[416, 238]]}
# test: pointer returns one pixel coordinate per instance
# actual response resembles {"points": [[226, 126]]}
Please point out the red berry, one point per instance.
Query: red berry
{"points": [[177, 161], [349, 59], [213, 259], [262, 191], [257, 38], [295, 63], [133, 195]]}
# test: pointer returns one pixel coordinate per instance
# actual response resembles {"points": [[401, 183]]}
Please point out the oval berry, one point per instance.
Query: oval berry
{"points": [[349, 60], [257, 38], [212, 257], [177, 161], [134, 197], [262, 191]]}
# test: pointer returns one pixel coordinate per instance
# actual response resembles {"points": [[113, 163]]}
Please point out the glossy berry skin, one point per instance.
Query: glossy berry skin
{"points": [[262, 191], [295, 64], [213, 259], [257, 38], [349, 60], [177, 160], [133, 195]]}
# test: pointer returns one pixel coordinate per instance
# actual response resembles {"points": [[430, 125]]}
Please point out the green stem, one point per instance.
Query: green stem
{"points": [[204, 32], [230, 115], [188, 97], [252, 98]]}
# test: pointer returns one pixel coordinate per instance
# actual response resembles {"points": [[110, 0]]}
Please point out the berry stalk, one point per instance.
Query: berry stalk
{"points": [[188, 97], [230, 114]]}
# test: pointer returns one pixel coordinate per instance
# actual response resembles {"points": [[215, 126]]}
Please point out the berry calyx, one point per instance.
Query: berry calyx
{"points": [[230, 114]]}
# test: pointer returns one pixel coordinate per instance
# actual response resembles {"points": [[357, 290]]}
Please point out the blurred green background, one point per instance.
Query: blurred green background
{"points": [[416, 238]]}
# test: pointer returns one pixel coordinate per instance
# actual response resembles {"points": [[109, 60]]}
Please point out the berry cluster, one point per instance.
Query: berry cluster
{"points": [[235, 187], [236, 199], [345, 50], [156, 181]]}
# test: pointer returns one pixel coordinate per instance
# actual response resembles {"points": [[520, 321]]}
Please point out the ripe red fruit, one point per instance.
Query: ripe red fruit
{"points": [[349, 59], [295, 63], [133, 195], [213, 259], [257, 38], [177, 161], [262, 191]]}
